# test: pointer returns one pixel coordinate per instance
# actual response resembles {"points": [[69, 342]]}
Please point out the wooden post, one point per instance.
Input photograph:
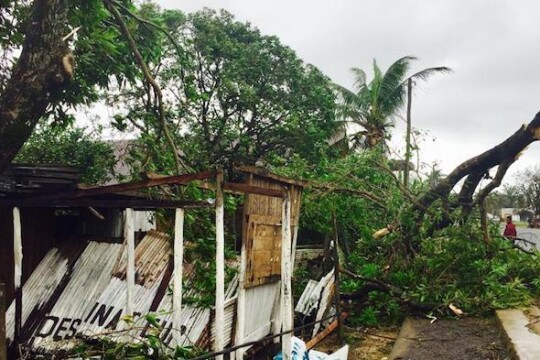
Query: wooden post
{"points": [[129, 237], [220, 267], [286, 291], [294, 231], [3, 340], [241, 303], [18, 257], [178, 269], [337, 280]]}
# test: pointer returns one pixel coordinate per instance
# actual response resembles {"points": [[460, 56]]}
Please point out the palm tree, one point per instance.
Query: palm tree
{"points": [[374, 105]]}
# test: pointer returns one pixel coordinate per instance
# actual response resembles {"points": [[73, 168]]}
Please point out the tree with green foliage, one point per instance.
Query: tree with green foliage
{"points": [[529, 188], [73, 147], [236, 96], [373, 106], [71, 51]]}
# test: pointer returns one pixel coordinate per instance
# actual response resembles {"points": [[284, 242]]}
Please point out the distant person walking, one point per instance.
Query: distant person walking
{"points": [[510, 229]]}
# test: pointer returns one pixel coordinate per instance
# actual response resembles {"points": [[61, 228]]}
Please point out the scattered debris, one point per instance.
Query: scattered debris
{"points": [[455, 310], [299, 351]]}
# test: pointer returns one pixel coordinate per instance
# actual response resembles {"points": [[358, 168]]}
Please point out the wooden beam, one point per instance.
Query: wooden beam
{"points": [[96, 213], [323, 334], [240, 331], [178, 270], [286, 287], [136, 204], [267, 174], [242, 189], [220, 268], [129, 238], [337, 293], [249, 189], [136, 185]]}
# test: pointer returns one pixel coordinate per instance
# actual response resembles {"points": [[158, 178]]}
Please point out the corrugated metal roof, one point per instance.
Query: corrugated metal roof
{"points": [[91, 274], [312, 294], [230, 311], [327, 284], [260, 302], [92, 300], [151, 259], [38, 288], [309, 298], [88, 298], [195, 320]]}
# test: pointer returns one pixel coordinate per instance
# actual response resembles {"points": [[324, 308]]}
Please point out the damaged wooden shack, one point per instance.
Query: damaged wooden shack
{"points": [[78, 261]]}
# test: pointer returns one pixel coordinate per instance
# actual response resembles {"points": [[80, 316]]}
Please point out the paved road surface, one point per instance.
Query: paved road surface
{"points": [[530, 234]]}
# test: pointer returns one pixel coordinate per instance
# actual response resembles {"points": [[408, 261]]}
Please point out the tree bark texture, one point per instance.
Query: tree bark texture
{"points": [[43, 69], [473, 170]]}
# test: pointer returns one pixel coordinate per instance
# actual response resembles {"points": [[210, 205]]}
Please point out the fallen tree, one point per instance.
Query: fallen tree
{"points": [[501, 156]]}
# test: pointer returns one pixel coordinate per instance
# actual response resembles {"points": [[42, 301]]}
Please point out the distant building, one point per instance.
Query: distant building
{"points": [[513, 212]]}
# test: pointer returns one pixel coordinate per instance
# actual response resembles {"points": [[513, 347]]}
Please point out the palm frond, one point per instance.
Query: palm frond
{"points": [[426, 73], [350, 105], [359, 78], [374, 105], [392, 93]]}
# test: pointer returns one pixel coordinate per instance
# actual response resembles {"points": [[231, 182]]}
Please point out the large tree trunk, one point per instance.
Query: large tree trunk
{"points": [[44, 67], [473, 170]]}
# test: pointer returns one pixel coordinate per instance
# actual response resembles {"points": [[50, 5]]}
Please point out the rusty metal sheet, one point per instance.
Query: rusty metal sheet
{"points": [[151, 259]]}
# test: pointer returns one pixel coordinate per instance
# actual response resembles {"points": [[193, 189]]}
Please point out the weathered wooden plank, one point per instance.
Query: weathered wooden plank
{"points": [[267, 174], [220, 268], [178, 269], [135, 185], [18, 257], [286, 287], [240, 329], [249, 189], [129, 238], [136, 204], [323, 334]]}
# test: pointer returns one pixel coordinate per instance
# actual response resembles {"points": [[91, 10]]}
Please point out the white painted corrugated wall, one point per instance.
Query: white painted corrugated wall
{"points": [[38, 288], [90, 277], [194, 320], [260, 301]]}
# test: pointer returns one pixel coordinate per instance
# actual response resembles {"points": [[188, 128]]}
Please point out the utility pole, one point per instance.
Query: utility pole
{"points": [[408, 135]]}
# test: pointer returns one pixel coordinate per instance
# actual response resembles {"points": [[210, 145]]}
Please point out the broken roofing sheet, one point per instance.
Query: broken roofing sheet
{"points": [[88, 296], [316, 299], [195, 320]]}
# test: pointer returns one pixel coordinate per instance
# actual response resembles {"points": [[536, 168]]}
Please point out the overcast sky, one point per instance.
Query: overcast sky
{"points": [[492, 46]]}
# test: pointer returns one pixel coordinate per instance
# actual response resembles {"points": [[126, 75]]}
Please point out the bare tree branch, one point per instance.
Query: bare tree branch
{"points": [[181, 167]]}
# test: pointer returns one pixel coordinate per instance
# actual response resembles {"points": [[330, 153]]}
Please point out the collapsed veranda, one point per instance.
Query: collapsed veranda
{"points": [[79, 275]]}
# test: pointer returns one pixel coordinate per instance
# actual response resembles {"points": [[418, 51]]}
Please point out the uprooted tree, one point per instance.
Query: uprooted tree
{"points": [[501, 157]]}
